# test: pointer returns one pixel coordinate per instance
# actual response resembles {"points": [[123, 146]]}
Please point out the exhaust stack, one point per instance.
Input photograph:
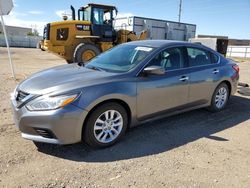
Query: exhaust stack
{"points": [[73, 12]]}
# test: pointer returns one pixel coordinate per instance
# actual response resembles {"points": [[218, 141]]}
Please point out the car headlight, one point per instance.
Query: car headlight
{"points": [[50, 103], [14, 93]]}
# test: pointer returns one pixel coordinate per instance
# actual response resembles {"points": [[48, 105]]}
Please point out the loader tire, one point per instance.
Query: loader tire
{"points": [[85, 52], [69, 61]]}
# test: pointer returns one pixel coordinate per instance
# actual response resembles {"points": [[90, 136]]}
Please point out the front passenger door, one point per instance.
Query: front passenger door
{"points": [[157, 93]]}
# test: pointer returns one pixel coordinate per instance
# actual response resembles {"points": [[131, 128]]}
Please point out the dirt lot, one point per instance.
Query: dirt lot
{"points": [[194, 149]]}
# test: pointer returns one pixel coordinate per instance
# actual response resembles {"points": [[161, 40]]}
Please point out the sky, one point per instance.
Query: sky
{"points": [[215, 17]]}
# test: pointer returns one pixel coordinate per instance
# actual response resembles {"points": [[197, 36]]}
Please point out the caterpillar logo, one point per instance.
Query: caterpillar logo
{"points": [[82, 27]]}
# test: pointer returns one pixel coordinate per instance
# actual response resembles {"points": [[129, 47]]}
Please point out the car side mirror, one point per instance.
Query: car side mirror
{"points": [[154, 70]]}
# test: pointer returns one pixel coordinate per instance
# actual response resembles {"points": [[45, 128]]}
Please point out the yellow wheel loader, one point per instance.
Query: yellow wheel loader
{"points": [[84, 37]]}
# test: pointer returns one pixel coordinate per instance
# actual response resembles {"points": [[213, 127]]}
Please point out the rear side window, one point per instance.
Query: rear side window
{"points": [[198, 57], [169, 59], [214, 58]]}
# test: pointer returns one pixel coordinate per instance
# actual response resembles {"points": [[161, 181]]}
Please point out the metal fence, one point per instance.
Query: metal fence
{"points": [[20, 41], [238, 51]]}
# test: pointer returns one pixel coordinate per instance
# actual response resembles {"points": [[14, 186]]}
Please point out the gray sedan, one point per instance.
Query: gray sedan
{"points": [[125, 86]]}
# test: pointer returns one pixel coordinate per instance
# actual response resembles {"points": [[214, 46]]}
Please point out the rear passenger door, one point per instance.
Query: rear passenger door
{"points": [[204, 74]]}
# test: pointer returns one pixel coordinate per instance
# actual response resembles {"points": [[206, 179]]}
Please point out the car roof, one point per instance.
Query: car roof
{"points": [[161, 43], [155, 43], [166, 43]]}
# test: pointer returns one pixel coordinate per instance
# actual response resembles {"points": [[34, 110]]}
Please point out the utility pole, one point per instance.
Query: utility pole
{"points": [[5, 8], [180, 5]]}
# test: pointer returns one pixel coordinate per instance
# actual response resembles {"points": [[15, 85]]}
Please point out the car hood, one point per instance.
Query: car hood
{"points": [[63, 78]]}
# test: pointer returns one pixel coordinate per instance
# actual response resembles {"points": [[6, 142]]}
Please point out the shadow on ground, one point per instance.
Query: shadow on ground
{"points": [[160, 136], [245, 91]]}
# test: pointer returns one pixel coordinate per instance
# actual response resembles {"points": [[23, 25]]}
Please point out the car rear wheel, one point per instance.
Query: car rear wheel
{"points": [[106, 125], [220, 98]]}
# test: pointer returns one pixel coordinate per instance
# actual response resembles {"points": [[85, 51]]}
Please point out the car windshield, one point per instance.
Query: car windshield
{"points": [[121, 58]]}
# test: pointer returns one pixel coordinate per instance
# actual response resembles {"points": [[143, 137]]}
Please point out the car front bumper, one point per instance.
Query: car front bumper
{"points": [[60, 126]]}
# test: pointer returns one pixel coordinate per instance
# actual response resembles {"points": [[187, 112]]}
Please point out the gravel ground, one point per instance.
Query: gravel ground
{"points": [[193, 149]]}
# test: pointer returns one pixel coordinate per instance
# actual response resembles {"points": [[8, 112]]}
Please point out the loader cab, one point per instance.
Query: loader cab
{"points": [[101, 18]]}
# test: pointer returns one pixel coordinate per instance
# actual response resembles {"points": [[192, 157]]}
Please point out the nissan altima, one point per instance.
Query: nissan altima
{"points": [[123, 87]]}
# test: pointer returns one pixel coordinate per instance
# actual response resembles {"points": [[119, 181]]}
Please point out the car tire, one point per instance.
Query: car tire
{"points": [[220, 98], [85, 50], [106, 125], [39, 145]]}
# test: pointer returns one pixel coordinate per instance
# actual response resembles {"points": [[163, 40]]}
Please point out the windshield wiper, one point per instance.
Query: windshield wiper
{"points": [[94, 68], [81, 64]]}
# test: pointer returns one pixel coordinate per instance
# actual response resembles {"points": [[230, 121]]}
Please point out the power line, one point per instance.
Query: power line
{"points": [[180, 5]]}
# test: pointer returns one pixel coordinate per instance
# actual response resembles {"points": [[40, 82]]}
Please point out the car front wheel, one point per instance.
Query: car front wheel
{"points": [[105, 125]]}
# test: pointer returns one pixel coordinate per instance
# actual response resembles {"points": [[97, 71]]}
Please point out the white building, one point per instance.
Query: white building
{"points": [[17, 37], [15, 31]]}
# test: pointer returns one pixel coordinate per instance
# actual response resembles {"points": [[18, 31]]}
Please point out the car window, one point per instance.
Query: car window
{"points": [[215, 58], [198, 57], [169, 59]]}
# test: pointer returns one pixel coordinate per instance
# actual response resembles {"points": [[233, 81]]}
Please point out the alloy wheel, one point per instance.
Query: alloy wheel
{"points": [[221, 97], [108, 126]]}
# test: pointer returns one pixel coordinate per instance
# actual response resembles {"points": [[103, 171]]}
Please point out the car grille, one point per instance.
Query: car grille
{"points": [[22, 98], [21, 95]]}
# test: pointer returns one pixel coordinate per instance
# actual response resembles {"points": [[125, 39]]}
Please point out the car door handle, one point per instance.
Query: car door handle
{"points": [[184, 78], [215, 71]]}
